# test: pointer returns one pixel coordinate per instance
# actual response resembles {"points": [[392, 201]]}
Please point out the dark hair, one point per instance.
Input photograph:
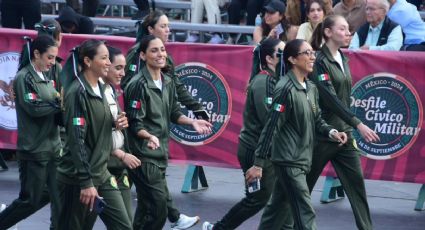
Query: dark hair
{"points": [[267, 49], [285, 25], [113, 52], [41, 43], [321, 4], [144, 43], [292, 49], [49, 27], [88, 49], [149, 20], [319, 32]]}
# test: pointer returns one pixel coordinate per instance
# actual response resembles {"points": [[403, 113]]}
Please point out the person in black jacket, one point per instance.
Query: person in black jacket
{"points": [[72, 22]]}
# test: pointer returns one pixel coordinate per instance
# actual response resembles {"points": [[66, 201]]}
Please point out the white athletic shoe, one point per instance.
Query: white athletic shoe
{"points": [[184, 222], [207, 226]]}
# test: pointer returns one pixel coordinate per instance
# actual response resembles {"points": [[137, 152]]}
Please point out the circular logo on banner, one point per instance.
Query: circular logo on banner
{"points": [[8, 66], [389, 105], [207, 85]]}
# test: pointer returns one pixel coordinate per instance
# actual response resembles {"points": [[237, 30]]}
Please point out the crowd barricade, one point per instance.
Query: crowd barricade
{"points": [[388, 91]]}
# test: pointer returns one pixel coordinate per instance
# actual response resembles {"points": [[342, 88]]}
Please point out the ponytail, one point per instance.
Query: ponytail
{"points": [[70, 70], [317, 37], [256, 62], [25, 57]]}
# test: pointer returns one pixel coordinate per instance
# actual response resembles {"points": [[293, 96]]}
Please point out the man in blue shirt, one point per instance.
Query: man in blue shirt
{"points": [[408, 17], [379, 33]]}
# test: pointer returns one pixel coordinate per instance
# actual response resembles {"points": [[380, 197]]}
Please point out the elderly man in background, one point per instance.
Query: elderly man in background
{"points": [[379, 33], [408, 17]]}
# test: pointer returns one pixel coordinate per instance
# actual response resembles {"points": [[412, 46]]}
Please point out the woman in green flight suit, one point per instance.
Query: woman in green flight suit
{"points": [[151, 105], [293, 124], [83, 177]]}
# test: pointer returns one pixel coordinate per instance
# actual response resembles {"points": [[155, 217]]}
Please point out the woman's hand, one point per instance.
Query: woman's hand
{"points": [[121, 122], [368, 134], [253, 173], [202, 126], [153, 142], [87, 196]]}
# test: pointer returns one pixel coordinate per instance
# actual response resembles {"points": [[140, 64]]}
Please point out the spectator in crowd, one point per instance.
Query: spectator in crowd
{"points": [[274, 25], [213, 17], [14, 12], [354, 11], [379, 33], [75, 23], [417, 3], [120, 159], [296, 10], [315, 14], [38, 148], [83, 177], [89, 6], [151, 105], [295, 107], [156, 23], [408, 17], [253, 7], [142, 9], [258, 103]]}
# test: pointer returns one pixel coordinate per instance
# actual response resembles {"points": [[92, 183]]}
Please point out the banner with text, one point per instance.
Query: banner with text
{"points": [[387, 96]]}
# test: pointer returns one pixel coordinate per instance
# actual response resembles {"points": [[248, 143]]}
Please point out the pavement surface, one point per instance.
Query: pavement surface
{"points": [[391, 203]]}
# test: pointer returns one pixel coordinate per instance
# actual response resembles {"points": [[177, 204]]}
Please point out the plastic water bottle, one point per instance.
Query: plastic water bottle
{"points": [[258, 20]]}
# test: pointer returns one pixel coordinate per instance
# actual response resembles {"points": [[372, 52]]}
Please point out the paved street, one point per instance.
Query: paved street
{"points": [[392, 203]]}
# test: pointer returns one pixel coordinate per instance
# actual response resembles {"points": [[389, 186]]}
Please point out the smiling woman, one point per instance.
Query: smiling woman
{"points": [[83, 176], [37, 103]]}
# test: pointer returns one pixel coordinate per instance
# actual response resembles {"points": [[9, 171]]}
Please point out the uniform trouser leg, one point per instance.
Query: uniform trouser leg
{"points": [[291, 189], [252, 203], [346, 162], [125, 189], [213, 11], [76, 215], [115, 215], [38, 187], [151, 186]]}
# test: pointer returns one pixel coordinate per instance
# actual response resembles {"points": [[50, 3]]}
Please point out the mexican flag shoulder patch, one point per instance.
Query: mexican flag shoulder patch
{"points": [[78, 121], [279, 108], [324, 77], [132, 68], [268, 100], [30, 96], [136, 104]]}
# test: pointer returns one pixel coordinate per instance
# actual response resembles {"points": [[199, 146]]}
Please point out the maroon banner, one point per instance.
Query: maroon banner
{"points": [[387, 96]]}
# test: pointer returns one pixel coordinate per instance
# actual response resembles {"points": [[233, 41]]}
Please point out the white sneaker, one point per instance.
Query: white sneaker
{"points": [[207, 226], [2, 208], [184, 222]]}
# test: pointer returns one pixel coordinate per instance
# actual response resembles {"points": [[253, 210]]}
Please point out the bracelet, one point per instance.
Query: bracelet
{"points": [[258, 168]]}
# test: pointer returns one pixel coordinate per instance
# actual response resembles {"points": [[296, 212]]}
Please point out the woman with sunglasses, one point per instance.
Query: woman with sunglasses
{"points": [[293, 125], [335, 91]]}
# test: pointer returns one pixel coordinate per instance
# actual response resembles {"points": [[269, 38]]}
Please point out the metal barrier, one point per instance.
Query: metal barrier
{"points": [[163, 4], [129, 25]]}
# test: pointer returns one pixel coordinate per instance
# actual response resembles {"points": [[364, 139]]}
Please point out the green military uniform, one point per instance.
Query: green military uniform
{"points": [[291, 127], [38, 147], [258, 102], [183, 96], [335, 104], [152, 109], [116, 167], [88, 123]]}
